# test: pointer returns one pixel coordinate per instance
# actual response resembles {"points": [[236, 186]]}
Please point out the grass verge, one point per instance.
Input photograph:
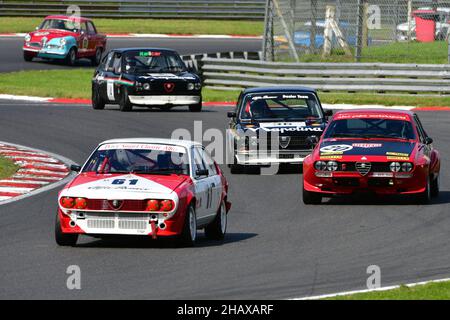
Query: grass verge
{"points": [[7, 168], [175, 26], [430, 291], [77, 84]]}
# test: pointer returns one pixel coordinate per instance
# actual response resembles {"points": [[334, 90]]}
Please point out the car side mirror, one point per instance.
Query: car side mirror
{"points": [[202, 172], [328, 113], [428, 140], [75, 168], [231, 114], [37, 28], [312, 140]]}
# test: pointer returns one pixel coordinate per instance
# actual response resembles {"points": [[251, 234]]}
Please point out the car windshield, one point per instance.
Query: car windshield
{"points": [[60, 24], [284, 107], [152, 61], [138, 158], [370, 128]]}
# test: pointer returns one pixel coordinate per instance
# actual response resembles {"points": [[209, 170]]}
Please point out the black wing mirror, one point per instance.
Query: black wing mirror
{"points": [[428, 140], [328, 113], [202, 172], [75, 168], [231, 114]]}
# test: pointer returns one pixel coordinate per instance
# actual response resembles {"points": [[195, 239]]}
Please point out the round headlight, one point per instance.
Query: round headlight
{"points": [[332, 165], [320, 165], [27, 38], [146, 86], [395, 166], [407, 166], [62, 42], [198, 86], [190, 86]]}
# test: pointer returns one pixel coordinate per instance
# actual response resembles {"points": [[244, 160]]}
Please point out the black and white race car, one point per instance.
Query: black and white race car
{"points": [[274, 125], [147, 77]]}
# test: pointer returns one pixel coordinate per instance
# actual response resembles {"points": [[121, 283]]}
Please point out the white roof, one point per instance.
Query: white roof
{"points": [[174, 142]]}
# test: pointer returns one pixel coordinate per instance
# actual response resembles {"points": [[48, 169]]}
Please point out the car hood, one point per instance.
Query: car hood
{"points": [[122, 186], [365, 147], [50, 34]]}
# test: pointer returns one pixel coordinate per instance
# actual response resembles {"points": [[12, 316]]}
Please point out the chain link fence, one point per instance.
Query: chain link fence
{"points": [[356, 30]]}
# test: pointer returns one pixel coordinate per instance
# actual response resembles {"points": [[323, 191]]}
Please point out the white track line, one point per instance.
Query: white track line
{"points": [[346, 293], [15, 189]]}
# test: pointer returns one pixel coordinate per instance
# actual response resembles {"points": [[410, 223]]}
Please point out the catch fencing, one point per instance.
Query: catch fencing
{"points": [[349, 77], [190, 9]]}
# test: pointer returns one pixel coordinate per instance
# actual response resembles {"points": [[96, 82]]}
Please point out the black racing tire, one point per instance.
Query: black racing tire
{"points": [[124, 103], [311, 197], [64, 239], [217, 229], [95, 60], [425, 197], [97, 101], [196, 107], [27, 56], [236, 168], [435, 187], [189, 234], [71, 57]]}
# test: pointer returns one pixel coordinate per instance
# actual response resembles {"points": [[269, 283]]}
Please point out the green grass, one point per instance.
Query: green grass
{"points": [[77, 84], [431, 291], [7, 168], [400, 52], [176, 26]]}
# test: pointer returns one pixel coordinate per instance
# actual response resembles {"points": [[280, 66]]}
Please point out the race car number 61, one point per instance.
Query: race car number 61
{"points": [[131, 182]]}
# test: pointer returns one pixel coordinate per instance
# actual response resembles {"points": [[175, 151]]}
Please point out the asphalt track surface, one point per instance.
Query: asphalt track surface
{"points": [[11, 49], [275, 247]]}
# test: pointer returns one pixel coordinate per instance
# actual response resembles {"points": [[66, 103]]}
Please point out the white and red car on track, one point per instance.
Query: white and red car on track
{"points": [[144, 187]]}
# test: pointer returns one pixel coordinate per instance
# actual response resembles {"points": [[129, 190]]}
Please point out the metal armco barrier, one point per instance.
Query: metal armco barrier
{"points": [[350, 77], [192, 9]]}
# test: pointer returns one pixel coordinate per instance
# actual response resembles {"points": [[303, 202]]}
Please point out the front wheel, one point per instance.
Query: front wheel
{"points": [[71, 57], [95, 60], [97, 102], [196, 107], [216, 230], [189, 233], [64, 239], [125, 104], [311, 197], [27, 56], [435, 187], [425, 196]]}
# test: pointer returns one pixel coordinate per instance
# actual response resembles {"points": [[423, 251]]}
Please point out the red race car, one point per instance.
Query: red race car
{"points": [[386, 152], [144, 187], [65, 38]]}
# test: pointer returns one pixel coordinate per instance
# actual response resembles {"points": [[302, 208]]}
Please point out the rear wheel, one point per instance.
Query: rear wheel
{"points": [[125, 104], [311, 197], [64, 239], [71, 57], [216, 230], [189, 233], [27, 56], [196, 107], [97, 102], [95, 60]]}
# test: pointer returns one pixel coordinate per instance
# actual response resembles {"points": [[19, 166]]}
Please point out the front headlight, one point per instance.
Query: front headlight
{"points": [[332, 165], [146, 86], [395, 166], [190, 86], [197, 86], [27, 38], [320, 165], [407, 166], [62, 42]]}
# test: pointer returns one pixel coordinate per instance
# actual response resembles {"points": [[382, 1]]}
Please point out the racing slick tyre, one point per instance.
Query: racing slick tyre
{"points": [[97, 102], [189, 233], [27, 56], [311, 197], [236, 168], [435, 187], [95, 60], [64, 239], [216, 230], [425, 197], [124, 103], [71, 57], [196, 107]]}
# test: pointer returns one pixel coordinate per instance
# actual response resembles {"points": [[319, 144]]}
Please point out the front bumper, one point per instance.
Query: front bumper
{"points": [[164, 99], [48, 53], [378, 183], [263, 158]]}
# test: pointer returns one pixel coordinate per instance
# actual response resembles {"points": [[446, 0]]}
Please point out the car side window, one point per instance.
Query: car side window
{"points": [[422, 133], [83, 26], [91, 29], [108, 66], [115, 65], [209, 162], [197, 162]]}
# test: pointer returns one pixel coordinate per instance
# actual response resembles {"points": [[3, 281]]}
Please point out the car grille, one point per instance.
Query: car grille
{"points": [[363, 167], [124, 221], [127, 205], [295, 143], [375, 167]]}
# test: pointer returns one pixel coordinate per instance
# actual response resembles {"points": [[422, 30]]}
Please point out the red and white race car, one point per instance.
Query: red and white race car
{"points": [[387, 152], [144, 187]]}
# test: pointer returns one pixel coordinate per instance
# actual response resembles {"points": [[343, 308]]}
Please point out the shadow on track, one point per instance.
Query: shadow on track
{"points": [[130, 242]]}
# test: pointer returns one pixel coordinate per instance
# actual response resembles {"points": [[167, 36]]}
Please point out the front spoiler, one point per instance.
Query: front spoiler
{"points": [[164, 99], [267, 159]]}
